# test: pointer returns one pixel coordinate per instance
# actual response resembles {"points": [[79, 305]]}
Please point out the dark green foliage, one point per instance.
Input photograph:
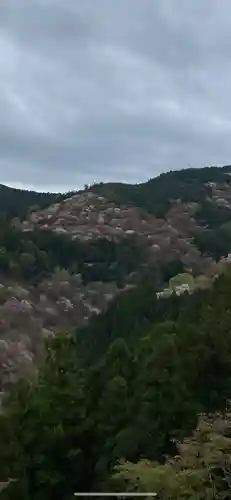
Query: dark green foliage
{"points": [[17, 202], [212, 215], [128, 317], [30, 255], [170, 269], [178, 369], [46, 436], [66, 432], [155, 196], [214, 242]]}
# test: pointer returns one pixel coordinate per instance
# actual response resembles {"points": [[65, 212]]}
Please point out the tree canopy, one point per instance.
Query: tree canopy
{"points": [[134, 400]]}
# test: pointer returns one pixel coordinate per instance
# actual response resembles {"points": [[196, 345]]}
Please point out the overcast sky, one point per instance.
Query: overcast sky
{"points": [[98, 90]]}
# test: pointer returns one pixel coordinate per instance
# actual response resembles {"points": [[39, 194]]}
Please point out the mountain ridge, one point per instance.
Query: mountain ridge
{"points": [[62, 263], [190, 201], [205, 174], [95, 368]]}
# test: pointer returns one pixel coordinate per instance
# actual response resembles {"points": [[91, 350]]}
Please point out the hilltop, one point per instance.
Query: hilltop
{"points": [[17, 202], [182, 214]]}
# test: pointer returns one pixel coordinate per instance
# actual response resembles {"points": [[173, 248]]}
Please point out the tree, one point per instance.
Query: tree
{"points": [[202, 470], [46, 435]]}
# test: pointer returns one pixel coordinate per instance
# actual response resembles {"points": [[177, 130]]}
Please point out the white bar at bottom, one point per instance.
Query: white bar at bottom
{"points": [[125, 494]]}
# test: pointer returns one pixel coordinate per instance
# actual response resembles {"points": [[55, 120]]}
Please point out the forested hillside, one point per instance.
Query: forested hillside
{"points": [[194, 197], [115, 339], [208, 189], [16, 202], [31, 255], [65, 431], [156, 195]]}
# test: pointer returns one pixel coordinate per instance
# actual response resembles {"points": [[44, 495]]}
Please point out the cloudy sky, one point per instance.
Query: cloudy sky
{"points": [[98, 90]]}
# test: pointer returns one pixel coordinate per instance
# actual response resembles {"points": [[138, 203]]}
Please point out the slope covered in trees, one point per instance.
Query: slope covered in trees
{"points": [[16, 202], [208, 188], [65, 431], [126, 388], [156, 195], [31, 255], [202, 469]]}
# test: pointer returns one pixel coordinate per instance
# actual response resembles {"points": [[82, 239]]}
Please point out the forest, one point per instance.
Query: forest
{"points": [[156, 195], [137, 400], [17, 202], [153, 196], [117, 419], [31, 255], [189, 185]]}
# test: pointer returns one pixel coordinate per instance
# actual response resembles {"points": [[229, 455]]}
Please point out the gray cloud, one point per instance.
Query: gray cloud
{"points": [[112, 90]]}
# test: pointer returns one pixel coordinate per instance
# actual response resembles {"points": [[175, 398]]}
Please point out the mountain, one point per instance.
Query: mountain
{"points": [[202, 194], [178, 215], [155, 196], [104, 357], [158, 193], [132, 404], [16, 202], [62, 263]]}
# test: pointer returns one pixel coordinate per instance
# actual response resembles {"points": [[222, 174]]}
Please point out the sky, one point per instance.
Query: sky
{"points": [[112, 90]]}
